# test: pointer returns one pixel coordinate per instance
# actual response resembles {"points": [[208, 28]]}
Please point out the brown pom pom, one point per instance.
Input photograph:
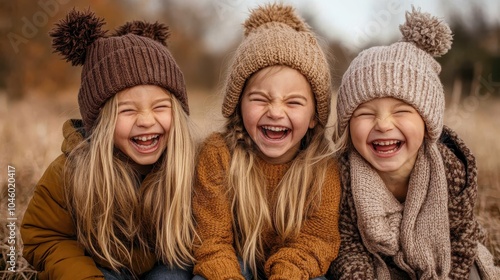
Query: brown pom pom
{"points": [[73, 35], [156, 31], [427, 32], [274, 13]]}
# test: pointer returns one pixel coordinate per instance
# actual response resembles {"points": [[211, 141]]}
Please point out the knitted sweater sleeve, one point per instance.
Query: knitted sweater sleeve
{"points": [[311, 252], [465, 232], [215, 255], [48, 233], [353, 261]]}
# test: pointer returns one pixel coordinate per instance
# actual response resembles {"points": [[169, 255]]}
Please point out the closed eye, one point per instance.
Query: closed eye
{"points": [[126, 110], [363, 114], [258, 100], [295, 102], [162, 107]]}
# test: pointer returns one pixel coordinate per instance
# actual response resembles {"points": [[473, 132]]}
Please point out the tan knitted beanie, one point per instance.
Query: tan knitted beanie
{"points": [[276, 35], [136, 54], [405, 70]]}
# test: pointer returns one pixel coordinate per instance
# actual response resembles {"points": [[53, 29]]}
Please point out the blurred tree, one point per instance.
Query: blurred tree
{"points": [[188, 24], [27, 52], [27, 63], [474, 56]]}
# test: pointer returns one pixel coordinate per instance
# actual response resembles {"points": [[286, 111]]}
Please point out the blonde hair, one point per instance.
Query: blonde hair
{"points": [[342, 140], [299, 190], [112, 215]]}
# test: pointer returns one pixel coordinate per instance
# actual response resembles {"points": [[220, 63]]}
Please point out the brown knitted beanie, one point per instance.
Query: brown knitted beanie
{"points": [[276, 35], [136, 54], [405, 70]]}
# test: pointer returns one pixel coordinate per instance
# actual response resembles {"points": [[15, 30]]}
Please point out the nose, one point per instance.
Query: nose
{"points": [[384, 124], [275, 111], [145, 119]]}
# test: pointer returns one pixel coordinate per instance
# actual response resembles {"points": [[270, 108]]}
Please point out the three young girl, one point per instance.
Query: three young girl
{"points": [[117, 202]]}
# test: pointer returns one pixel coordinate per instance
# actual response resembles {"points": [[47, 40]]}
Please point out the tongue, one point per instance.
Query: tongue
{"points": [[385, 148], [275, 134], [145, 143]]}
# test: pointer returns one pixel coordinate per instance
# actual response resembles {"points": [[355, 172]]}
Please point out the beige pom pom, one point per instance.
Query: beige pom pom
{"points": [[427, 32], [274, 13]]}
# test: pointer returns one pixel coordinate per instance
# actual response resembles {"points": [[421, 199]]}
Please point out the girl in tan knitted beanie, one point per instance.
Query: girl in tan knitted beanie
{"points": [[116, 203], [409, 184], [267, 190]]}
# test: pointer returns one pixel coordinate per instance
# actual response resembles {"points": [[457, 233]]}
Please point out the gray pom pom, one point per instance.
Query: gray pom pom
{"points": [[427, 32]]}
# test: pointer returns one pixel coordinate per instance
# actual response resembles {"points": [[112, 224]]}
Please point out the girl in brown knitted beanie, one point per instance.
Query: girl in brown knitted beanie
{"points": [[117, 203], [409, 184], [267, 189]]}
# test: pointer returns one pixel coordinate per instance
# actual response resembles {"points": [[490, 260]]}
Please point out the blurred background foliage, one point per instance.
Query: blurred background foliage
{"points": [[27, 64]]}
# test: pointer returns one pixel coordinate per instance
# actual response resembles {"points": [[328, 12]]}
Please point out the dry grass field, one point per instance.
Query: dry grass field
{"points": [[30, 132]]}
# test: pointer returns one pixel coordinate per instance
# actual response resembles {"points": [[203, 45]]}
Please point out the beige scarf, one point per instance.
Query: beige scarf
{"points": [[415, 235]]}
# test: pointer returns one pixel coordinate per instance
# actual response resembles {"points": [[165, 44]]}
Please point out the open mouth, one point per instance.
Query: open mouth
{"points": [[386, 146], [275, 132], [146, 142]]}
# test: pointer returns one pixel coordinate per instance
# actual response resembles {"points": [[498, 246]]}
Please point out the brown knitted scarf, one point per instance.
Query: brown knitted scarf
{"points": [[414, 234]]}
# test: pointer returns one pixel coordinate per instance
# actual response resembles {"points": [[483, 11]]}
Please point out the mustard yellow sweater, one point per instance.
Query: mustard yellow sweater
{"points": [[308, 256]]}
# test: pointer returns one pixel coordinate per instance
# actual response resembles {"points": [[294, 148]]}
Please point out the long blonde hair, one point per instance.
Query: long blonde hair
{"points": [[341, 140], [113, 215], [299, 190]]}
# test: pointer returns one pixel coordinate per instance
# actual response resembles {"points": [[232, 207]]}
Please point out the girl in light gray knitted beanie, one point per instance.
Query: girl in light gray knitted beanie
{"points": [[409, 183]]}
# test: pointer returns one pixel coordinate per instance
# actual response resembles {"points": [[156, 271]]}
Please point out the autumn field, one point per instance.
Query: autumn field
{"points": [[30, 132]]}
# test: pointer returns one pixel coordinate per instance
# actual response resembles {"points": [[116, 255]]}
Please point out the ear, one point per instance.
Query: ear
{"points": [[313, 122]]}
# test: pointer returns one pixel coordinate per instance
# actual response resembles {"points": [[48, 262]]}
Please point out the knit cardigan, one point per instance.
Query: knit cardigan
{"points": [[306, 256], [355, 262]]}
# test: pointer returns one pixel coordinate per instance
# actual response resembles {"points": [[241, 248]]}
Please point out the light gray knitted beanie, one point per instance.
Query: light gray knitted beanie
{"points": [[405, 70]]}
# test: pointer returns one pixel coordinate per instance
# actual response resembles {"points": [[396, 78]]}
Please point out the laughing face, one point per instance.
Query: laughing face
{"points": [[278, 108], [388, 133], [143, 123]]}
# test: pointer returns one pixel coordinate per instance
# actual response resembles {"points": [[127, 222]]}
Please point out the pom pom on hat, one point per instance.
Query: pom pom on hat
{"points": [[156, 31], [274, 13], [73, 35], [426, 32]]}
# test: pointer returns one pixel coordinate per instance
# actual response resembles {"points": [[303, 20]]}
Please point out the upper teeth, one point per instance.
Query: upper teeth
{"points": [[145, 138], [385, 143], [274, 128]]}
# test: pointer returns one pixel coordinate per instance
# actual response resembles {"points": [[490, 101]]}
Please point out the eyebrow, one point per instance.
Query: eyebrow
{"points": [[130, 102], [265, 94]]}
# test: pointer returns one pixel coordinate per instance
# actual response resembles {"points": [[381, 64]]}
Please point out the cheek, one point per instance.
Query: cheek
{"points": [[122, 129], [165, 120], [416, 128], [250, 116], [305, 117], [358, 130]]}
